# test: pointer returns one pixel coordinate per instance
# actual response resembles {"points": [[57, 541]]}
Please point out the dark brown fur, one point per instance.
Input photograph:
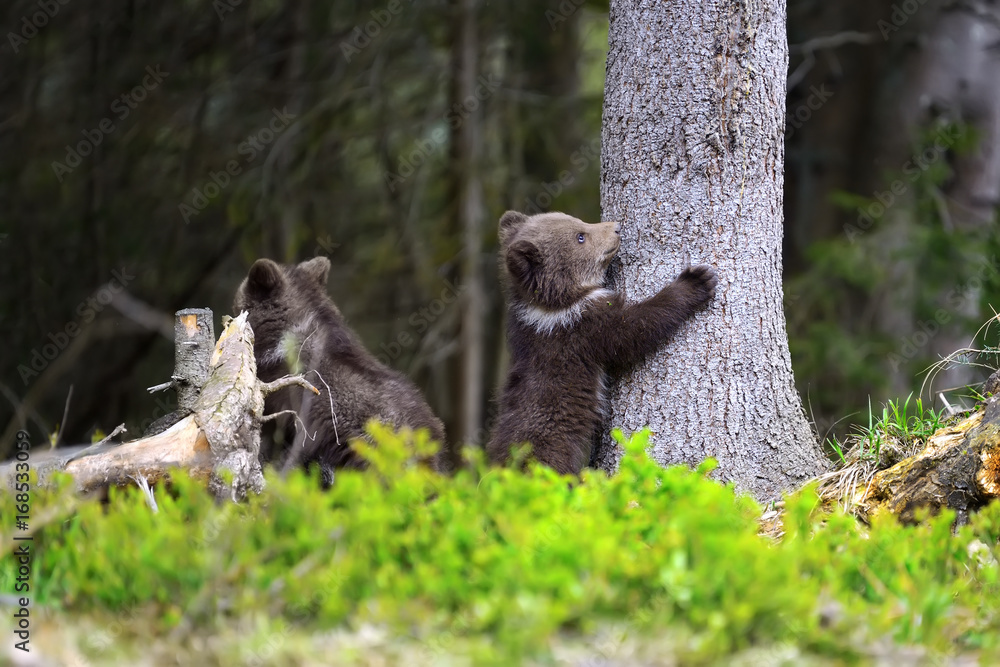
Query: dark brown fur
{"points": [[291, 314], [566, 333]]}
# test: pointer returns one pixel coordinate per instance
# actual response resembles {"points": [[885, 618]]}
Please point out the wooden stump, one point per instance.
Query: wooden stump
{"points": [[194, 340], [220, 433]]}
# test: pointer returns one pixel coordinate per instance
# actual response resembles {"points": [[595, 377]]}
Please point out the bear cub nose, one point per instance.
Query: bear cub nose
{"points": [[618, 228]]}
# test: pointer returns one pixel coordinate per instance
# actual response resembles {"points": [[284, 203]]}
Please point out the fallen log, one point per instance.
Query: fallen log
{"points": [[959, 468], [221, 433]]}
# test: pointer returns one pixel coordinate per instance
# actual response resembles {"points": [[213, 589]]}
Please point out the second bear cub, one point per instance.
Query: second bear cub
{"points": [[293, 318], [566, 333]]}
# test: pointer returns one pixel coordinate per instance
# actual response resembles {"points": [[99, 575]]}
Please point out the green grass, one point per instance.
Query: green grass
{"points": [[500, 566], [903, 427], [909, 429]]}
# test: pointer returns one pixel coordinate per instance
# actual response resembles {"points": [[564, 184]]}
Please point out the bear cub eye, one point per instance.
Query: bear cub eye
{"points": [[581, 238]]}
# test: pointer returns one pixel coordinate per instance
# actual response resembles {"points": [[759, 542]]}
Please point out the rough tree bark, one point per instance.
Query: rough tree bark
{"points": [[692, 164]]}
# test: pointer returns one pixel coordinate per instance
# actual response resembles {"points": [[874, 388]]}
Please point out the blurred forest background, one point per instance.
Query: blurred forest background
{"points": [[149, 152]]}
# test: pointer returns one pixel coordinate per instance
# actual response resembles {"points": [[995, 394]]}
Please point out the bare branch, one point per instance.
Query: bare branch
{"points": [[809, 48], [832, 41], [62, 424], [143, 314], [287, 381]]}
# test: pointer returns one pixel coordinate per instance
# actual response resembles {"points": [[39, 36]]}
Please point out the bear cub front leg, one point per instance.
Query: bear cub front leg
{"points": [[648, 324], [696, 286]]}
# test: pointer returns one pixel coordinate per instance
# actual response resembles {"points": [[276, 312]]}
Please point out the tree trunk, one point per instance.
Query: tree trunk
{"points": [[473, 382], [692, 165]]}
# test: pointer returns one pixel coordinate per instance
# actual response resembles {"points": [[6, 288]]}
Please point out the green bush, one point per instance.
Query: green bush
{"points": [[520, 558]]}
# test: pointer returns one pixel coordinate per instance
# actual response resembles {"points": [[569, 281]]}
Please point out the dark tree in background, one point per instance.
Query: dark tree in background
{"points": [[950, 93], [149, 152], [469, 147], [890, 200]]}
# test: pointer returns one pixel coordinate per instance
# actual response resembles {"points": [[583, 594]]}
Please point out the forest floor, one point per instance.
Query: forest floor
{"points": [[71, 640], [398, 565]]}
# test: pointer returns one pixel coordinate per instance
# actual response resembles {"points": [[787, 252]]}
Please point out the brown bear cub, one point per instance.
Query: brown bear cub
{"points": [[566, 333], [294, 319]]}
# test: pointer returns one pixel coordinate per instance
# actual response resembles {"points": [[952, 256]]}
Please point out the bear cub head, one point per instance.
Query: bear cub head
{"points": [[282, 298], [554, 261]]}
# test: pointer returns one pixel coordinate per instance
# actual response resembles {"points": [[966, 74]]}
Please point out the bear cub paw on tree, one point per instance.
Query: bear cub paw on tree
{"points": [[294, 319], [567, 333]]}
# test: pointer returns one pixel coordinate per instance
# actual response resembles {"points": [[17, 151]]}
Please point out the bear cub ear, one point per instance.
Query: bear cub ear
{"points": [[524, 262], [509, 222], [264, 277], [317, 268]]}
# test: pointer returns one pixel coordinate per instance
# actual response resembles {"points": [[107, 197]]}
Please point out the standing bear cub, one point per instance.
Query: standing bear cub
{"points": [[566, 333], [293, 319]]}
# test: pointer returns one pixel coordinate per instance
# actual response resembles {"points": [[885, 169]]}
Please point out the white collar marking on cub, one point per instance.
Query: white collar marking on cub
{"points": [[301, 333], [545, 322]]}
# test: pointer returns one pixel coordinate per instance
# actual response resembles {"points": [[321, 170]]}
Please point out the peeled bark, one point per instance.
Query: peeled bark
{"points": [[693, 155], [181, 446]]}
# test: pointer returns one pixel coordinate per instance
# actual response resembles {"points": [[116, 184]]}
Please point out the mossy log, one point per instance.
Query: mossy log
{"points": [[958, 469], [222, 431]]}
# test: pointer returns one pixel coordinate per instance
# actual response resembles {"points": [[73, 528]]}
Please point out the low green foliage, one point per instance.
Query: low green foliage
{"points": [[906, 431], [500, 564]]}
